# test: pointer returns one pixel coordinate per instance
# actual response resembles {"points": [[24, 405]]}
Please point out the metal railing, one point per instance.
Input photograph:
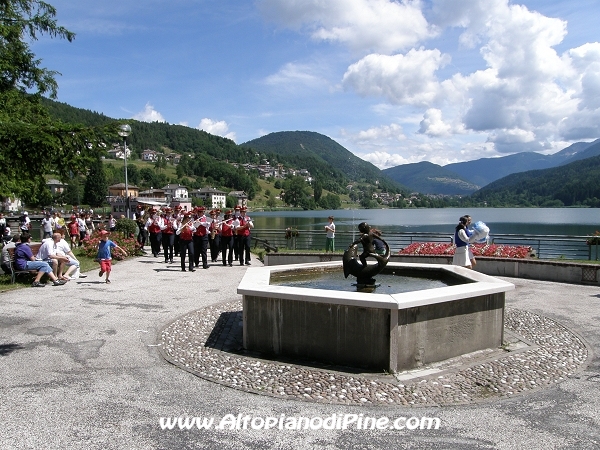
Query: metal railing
{"points": [[545, 246]]}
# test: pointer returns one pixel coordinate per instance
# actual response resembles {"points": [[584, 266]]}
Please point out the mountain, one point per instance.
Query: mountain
{"points": [[464, 178], [486, 170], [429, 178], [322, 156], [572, 184]]}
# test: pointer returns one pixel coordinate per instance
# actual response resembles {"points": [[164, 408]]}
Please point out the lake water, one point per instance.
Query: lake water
{"points": [[546, 221]]}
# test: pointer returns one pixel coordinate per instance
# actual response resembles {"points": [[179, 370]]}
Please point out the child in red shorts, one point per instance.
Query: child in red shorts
{"points": [[104, 254]]}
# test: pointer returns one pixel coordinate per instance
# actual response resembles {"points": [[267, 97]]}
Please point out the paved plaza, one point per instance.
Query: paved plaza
{"points": [[82, 367]]}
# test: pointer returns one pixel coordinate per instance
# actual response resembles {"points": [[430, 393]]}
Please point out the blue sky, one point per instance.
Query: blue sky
{"points": [[394, 82]]}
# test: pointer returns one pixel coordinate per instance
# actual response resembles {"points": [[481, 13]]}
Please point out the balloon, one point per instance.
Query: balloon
{"points": [[482, 231]]}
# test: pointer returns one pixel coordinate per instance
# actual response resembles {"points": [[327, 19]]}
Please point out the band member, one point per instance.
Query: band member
{"points": [[141, 223], [178, 215], [215, 236], [153, 225], [236, 238], [243, 230], [185, 231], [168, 234], [227, 239], [201, 238]]}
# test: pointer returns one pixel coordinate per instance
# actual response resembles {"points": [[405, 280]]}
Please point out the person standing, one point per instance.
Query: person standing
{"points": [[47, 226], [153, 225], [105, 255], [236, 237], [227, 243], [215, 235], [330, 239], [243, 231], [73, 229], [462, 239], [25, 222], [82, 228], [168, 234], [201, 238], [59, 223], [185, 231], [112, 223], [2, 224]]}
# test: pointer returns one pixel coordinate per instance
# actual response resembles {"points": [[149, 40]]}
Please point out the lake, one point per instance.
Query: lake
{"points": [[546, 221]]}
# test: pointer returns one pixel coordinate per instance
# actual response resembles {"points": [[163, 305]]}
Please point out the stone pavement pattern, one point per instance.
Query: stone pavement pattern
{"points": [[80, 368]]}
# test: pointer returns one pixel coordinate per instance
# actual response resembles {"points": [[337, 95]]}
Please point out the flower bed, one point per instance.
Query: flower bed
{"points": [[445, 249]]}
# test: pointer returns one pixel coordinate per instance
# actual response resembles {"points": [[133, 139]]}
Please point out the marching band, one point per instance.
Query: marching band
{"points": [[191, 234]]}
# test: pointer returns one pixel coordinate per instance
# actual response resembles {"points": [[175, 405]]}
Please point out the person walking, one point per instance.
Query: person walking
{"points": [[201, 238], [185, 231], [243, 231], [227, 242]]}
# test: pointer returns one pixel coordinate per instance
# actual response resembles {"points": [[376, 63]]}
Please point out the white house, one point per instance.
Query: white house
{"points": [[149, 155], [212, 197], [175, 191]]}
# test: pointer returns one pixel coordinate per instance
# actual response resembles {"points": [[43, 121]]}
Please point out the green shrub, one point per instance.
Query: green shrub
{"points": [[127, 227]]}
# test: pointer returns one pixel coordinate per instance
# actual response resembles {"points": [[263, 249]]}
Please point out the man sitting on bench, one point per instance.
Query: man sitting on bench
{"points": [[25, 260]]}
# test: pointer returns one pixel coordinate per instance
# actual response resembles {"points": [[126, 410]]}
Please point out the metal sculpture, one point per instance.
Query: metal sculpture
{"points": [[357, 266]]}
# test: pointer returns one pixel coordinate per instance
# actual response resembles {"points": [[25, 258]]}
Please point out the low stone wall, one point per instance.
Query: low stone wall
{"points": [[390, 332], [534, 269]]}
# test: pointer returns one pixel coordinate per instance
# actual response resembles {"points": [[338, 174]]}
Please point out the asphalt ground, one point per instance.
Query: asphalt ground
{"points": [[80, 369]]}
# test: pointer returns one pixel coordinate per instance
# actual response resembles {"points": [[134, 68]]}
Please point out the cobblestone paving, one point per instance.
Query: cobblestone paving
{"points": [[208, 343]]}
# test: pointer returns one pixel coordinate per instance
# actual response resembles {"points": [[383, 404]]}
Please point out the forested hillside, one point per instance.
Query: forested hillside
{"points": [[429, 178], [573, 184], [323, 157]]}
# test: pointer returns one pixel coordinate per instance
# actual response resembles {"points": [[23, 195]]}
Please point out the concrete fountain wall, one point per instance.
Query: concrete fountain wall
{"points": [[392, 332]]}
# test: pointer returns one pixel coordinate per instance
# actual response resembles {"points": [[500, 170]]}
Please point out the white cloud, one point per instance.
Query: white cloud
{"points": [[384, 160], [400, 79], [218, 128], [364, 25], [433, 124], [294, 75], [391, 132], [149, 114], [522, 95]]}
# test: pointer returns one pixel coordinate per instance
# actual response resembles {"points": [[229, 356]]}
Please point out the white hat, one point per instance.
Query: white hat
{"points": [[25, 213], [7, 230]]}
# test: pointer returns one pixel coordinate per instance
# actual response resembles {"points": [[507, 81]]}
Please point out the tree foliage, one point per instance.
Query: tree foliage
{"points": [[19, 67], [32, 143], [96, 185]]}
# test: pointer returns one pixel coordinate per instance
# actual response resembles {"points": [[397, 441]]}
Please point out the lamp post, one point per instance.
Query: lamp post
{"points": [[124, 131]]}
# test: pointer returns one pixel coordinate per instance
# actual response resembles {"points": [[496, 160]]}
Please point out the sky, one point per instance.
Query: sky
{"points": [[394, 82]]}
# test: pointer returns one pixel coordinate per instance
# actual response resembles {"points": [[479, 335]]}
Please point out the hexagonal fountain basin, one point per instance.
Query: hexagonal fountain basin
{"points": [[390, 331]]}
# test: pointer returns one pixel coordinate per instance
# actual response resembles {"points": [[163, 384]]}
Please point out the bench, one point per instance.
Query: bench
{"points": [[13, 271], [268, 247]]}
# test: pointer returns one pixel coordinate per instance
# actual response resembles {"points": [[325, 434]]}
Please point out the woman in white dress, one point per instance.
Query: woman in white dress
{"points": [[462, 239]]}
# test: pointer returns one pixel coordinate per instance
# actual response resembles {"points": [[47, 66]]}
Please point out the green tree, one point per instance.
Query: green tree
{"points": [[317, 190], [96, 186], [22, 20], [160, 164], [32, 143], [295, 191]]}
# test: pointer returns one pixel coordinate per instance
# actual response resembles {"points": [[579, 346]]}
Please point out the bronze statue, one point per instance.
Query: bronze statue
{"points": [[363, 272]]}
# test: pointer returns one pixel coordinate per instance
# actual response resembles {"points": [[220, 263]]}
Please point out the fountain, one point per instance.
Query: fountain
{"points": [[392, 331]]}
